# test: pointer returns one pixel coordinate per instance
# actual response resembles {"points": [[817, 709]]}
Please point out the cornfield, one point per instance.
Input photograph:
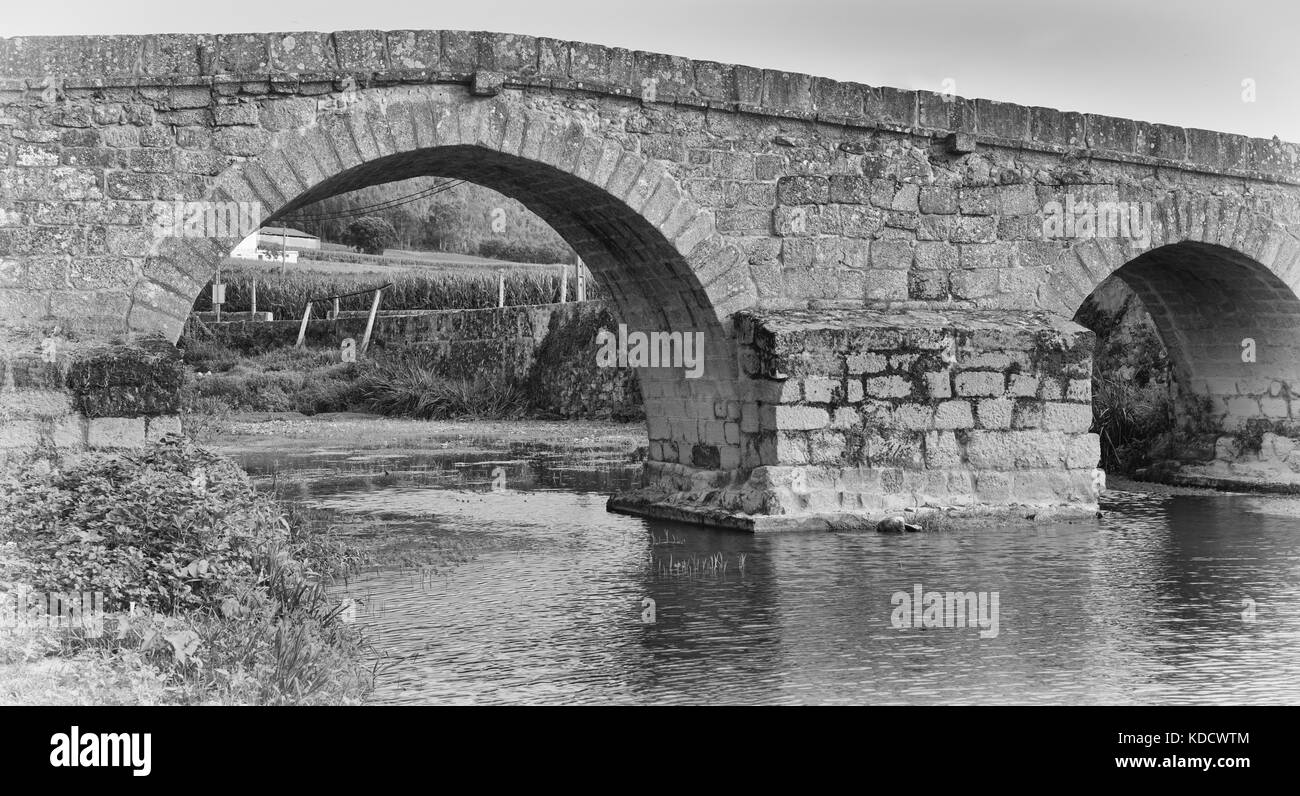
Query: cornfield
{"points": [[440, 290]]}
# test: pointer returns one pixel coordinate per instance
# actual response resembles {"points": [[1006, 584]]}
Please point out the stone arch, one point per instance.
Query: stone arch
{"points": [[646, 242], [1227, 223], [597, 193], [1214, 273]]}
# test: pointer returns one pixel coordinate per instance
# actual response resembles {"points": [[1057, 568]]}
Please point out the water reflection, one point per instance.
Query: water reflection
{"points": [[545, 606]]}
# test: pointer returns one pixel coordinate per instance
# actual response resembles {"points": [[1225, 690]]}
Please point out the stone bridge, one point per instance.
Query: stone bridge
{"points": [[884, 280]]}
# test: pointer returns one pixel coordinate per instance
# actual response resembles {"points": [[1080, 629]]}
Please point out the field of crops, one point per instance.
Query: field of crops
{"points": [[412, 288]]}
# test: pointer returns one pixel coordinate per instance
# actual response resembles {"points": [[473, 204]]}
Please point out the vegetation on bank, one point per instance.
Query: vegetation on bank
{"points": [[1133, 387], [216, 593], [397, 382]]}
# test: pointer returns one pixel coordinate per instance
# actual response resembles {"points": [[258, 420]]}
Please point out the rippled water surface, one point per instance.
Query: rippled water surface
{"points": [[539, 595]]}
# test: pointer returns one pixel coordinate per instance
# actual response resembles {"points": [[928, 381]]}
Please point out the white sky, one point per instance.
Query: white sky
{"points": [[1174, 61]]}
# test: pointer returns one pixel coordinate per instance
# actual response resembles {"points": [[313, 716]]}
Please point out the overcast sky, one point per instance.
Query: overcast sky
{"points": [[1181, 62]]}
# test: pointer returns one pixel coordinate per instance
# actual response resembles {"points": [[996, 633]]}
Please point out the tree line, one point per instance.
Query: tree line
{"points": [[465, 219]]}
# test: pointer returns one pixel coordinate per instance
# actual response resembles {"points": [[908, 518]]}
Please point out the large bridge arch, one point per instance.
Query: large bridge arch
{"points": [[655, 252], [652, 247], [1218, 276]]}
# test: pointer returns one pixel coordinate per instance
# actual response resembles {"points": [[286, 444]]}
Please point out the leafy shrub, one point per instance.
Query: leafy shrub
{"points": [[229, 591], [171, 528]]}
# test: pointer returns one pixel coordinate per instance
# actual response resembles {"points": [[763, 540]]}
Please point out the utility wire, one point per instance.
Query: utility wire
{"points": [[387, 204]]}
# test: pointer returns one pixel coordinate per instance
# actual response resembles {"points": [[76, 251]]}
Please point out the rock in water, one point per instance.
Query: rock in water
{"points": [[895, 525]]}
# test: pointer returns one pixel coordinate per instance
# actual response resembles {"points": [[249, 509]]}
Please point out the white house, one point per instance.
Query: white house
{"points": [[268, 243]]}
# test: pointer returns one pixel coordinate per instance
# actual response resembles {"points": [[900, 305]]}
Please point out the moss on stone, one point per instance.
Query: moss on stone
{"points": [[142, 380]]}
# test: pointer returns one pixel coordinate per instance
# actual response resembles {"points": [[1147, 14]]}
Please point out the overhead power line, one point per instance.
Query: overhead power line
{"points": [[387, 204]]}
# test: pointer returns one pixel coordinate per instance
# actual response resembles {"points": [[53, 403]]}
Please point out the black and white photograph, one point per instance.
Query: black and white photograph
{"points": [[570, 353]]}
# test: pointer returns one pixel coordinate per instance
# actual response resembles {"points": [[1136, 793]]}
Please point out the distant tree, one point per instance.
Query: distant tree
{"points": [[370, 234]]}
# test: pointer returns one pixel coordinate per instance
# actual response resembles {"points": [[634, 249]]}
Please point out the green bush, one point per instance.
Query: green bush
{"points": [[228, 590], [170, 528]]}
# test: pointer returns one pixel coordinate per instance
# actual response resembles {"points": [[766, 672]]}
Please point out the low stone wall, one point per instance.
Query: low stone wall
{"points": [[471, 336], [862, 413], [101, 397]]}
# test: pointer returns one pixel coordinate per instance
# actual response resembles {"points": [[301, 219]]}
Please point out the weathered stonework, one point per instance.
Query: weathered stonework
{"points": [[692, 190], [854, 413]]}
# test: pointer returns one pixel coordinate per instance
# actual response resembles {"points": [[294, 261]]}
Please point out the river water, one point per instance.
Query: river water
{"points": [[510, 583]]}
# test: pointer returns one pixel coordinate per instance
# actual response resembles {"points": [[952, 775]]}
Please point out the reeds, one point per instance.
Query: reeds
{"points": [[403, 386], [711, 564]]}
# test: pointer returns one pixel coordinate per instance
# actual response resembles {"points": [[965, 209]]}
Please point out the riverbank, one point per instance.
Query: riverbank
{"points": [[210, 591]]}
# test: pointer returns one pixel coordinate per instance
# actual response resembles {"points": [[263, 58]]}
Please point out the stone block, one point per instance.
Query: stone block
{"points": [[115, 432], [953, 415], [914, 417], [1083, 452], [995, 413], [803, 190], [801, 418], [975, 384], [888, 387], [942, 450], [1074, 418]]}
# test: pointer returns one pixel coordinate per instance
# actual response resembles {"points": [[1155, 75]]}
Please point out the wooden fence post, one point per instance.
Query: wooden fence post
{"points": [[302, 330], [501, 288], [564, 283], [254, 307], [370, 322]]}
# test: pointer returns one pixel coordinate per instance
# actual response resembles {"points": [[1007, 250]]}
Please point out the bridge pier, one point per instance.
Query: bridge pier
{"points": [[851, 414]]}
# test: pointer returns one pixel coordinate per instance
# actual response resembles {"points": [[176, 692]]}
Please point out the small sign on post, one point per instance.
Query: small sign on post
{"points": [[218, 298]]}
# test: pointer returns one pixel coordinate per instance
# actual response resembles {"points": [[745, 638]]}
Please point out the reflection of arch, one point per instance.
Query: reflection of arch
{"points": [[643, 238]]}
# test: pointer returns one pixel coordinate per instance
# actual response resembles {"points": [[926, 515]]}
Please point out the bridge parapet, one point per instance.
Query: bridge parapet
{"points": [[307, 62]]}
